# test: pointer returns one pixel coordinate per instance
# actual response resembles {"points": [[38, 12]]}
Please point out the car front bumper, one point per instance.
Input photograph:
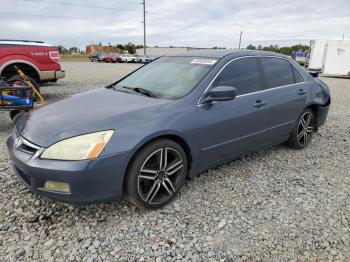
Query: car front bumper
{"points": [[90, 181]]}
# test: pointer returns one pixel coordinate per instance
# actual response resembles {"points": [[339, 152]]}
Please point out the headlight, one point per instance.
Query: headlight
{"points": [[80, 147]]}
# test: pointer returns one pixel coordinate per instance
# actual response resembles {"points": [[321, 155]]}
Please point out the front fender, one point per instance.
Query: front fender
{"points": [[132, 138]]}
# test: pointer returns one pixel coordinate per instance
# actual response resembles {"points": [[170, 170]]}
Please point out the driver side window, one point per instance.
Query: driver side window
{"points": [[243, 74]]}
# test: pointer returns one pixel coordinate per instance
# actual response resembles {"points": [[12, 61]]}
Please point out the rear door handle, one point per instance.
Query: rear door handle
{"points": [[259, 103], [301, 92]]}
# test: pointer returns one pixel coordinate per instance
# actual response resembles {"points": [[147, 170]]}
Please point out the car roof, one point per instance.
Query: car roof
{"points": [[226, 52]]}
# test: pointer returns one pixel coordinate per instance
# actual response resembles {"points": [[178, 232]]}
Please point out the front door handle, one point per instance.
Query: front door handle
{"points": [[301, 92], [259, 103]]}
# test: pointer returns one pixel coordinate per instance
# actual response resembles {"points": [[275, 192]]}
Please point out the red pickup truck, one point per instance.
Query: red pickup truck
{"points": [[38, 60]]}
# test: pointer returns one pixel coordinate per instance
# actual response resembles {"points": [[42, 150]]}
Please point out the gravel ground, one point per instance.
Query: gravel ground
{"points": [[274, 205]]}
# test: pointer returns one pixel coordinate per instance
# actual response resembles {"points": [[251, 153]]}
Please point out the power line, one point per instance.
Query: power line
{"points": [[179, 12], [61, 17], [195, 22], [190, 15], [78, 5], [47, 16]]}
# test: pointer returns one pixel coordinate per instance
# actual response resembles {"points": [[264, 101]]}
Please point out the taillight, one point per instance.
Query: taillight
{"points": [[55, 56]]}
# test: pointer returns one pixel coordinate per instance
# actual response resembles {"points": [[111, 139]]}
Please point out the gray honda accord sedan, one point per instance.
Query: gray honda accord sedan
{"points": [[180, 115]]}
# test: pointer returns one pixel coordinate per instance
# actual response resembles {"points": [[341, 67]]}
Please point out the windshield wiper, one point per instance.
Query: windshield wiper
{"points": [[141, 91]]}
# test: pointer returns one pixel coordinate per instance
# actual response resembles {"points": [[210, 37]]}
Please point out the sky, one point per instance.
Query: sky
{"points": [[191, 23]]}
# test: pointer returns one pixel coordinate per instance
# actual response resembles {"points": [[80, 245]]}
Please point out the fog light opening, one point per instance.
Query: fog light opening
{"points": [[57, 187]]}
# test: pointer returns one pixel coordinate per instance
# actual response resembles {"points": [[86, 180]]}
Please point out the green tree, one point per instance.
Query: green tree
{"points": [[62, 50], [251, 47], [74, 49], [130, 47], [286, 50], [120, 46]]}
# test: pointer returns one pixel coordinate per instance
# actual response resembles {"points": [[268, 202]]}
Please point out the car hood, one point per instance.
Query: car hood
{"points": [[92, 111]]}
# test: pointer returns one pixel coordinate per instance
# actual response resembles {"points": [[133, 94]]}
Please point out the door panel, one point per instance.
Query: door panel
{"points": [[286, 94], [229, 128], [285, 105]]}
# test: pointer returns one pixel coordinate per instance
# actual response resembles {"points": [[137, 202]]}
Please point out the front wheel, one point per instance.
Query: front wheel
{"points": [[156, 174], [302, 132]]}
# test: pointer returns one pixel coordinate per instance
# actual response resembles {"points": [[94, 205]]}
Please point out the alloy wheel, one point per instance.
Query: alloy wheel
{"points": [[160, 175], [305, 128]]}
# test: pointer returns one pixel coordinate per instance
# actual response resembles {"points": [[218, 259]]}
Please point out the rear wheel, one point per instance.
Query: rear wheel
{"points": [[303, 131], [156, 174]]}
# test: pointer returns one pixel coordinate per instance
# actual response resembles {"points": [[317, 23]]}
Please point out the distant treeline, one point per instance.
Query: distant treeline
{"points": [[130, 47], [287, 50]]}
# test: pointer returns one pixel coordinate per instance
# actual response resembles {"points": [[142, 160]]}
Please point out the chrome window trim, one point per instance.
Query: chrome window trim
{"points": [[270, 89], [237, 58]]}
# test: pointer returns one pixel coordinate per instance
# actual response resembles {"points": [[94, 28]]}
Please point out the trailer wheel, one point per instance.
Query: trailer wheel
{"points": [[15, 115], [17, 81]]}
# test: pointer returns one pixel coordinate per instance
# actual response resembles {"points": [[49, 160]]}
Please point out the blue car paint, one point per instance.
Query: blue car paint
{"points": [[139, 119]]}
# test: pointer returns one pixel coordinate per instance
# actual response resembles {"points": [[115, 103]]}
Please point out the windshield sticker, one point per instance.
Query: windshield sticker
{"points": [[205, 61]]}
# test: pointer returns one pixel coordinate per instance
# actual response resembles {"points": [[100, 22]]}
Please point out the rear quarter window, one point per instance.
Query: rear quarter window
{"points": [[297, 76], [277, 72]]}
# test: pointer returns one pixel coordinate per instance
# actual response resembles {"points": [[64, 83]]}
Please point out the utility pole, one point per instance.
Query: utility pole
{"points": [[144, 27], [240, 40]]}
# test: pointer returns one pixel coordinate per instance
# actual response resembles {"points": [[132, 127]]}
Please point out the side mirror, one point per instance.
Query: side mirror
{"points": [[220, 93]]}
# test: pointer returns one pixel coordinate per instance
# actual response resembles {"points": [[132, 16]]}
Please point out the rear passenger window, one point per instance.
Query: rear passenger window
{"points": [[277, 72], [297, 76], [242, 74]]}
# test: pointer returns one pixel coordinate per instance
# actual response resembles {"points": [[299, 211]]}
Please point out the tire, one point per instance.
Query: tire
{"points": [[158, 184], [17, 78], [15, 115], [303, 130]]}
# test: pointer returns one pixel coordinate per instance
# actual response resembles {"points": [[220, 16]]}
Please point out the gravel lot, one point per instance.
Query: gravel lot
{"points": [[274, 205]]}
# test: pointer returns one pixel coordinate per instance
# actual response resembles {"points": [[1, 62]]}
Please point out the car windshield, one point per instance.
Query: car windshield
{"points": [[169, 77]]}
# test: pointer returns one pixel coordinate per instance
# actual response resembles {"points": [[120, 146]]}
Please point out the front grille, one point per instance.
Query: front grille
{"points": [[26, 148], [24, 145]]}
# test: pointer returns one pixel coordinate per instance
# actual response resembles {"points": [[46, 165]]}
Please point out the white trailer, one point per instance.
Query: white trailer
{"points": [[337, 58], [317, 48], [330, 57]]}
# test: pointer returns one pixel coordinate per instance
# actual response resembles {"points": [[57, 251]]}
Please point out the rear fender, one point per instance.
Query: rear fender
{"points": [[13, 59]]}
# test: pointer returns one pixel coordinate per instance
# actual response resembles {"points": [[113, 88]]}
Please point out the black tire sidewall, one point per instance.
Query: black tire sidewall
{"points": [[35, 83], [131, 179], [293, 140]]}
